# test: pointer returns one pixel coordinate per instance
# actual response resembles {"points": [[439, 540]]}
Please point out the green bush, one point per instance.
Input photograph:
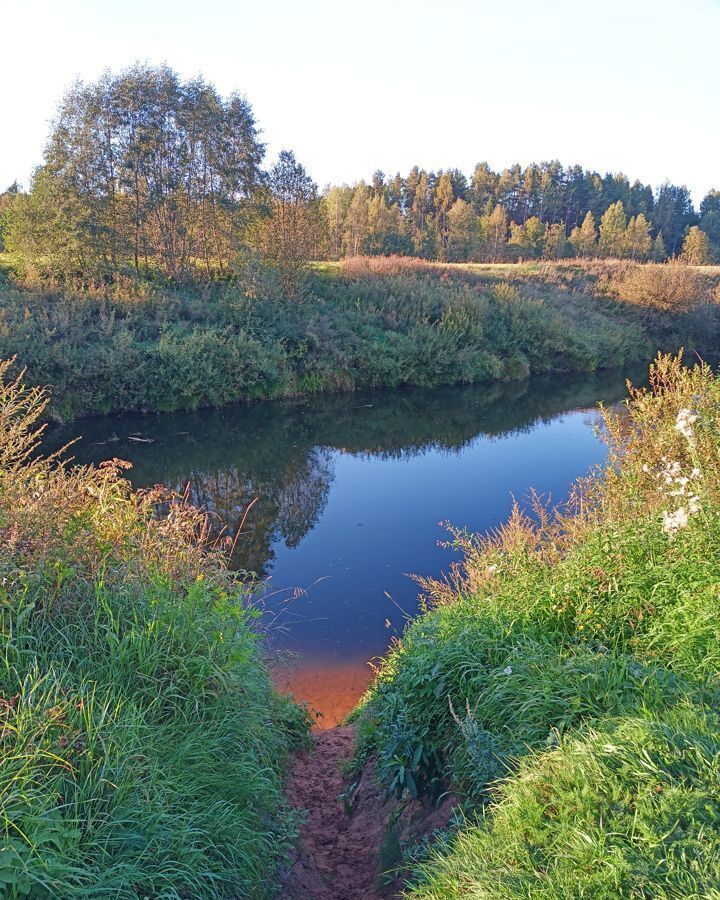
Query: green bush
{"points": [[148, 347]]}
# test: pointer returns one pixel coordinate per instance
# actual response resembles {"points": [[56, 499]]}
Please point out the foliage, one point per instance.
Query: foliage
{"points": [[565, 677], [145, 171], [144, 747], [543, 210], [141, 170], [290, 236], [672, 286], [696, 249], [375, 322]]}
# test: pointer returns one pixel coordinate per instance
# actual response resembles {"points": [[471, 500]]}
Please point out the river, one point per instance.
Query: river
{"points": [[342, 497]]}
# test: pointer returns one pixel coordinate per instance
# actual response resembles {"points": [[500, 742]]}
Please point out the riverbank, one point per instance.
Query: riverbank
{"points": [[139, 346], [563, 685], [144, 750], [565, 680]]}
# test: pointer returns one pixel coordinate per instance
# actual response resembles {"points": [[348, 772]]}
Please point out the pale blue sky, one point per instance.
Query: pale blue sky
{"points": [[629, 85]]}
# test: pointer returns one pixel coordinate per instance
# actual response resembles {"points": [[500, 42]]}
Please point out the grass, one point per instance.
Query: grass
{"points": [[379, 322], [143, 746], [565, 679]]}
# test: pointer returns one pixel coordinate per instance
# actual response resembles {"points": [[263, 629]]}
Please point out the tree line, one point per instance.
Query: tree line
{"points": [[149, 174], [542, 211]]}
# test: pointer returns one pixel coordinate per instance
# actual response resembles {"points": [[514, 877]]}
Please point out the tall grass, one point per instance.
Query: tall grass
{"points": [[143, 746], [565, 678], [377, 323]]}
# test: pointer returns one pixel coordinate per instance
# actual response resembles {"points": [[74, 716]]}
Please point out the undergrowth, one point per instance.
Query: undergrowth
{"points": [[565, 678], [143, 747], [151, 347]]}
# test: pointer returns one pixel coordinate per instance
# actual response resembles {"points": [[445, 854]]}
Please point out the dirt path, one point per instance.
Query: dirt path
{"points": [[346, 844], [337, 858]]}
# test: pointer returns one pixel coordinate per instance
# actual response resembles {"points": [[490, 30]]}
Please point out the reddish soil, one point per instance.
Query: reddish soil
{"points": [[339, 848], [337, 855], [329, 691]]}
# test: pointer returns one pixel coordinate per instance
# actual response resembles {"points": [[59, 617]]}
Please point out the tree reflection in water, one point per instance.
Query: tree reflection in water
{"points": [[269, 469]]}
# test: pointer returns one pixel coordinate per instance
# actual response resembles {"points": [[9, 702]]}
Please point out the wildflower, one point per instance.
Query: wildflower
{"points": [[674, 521], [491, 570], [507, 670], [686, 418]]}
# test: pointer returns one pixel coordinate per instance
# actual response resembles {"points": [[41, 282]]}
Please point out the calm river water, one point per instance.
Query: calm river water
{"points": [[350, 492]]}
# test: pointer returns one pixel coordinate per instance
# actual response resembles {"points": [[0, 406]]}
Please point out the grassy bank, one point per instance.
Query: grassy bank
{"points": [[565, 681], [368, 323], [143, 746]]}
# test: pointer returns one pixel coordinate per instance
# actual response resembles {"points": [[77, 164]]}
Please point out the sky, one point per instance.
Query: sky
{"points": [[617, 85]]}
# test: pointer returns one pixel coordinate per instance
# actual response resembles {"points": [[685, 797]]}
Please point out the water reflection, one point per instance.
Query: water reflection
{"points": [[342, 495], [280, 454]]}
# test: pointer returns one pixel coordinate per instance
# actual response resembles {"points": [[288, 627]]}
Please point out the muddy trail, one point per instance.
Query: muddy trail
{"points": [[337, 854], [345, 847]]}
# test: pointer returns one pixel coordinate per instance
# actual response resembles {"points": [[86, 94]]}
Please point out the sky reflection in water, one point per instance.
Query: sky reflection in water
{"points": [[351, 490]]}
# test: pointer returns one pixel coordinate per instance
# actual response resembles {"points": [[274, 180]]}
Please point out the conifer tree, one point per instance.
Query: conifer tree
{"points": [[658, 252]]}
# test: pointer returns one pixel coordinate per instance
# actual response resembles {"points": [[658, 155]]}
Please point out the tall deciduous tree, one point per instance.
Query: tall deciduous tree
{"points": [[637, 237], [528, 238], [291, 234], [443, 198], [8, 199], [463, 232], [584, 238], [385, 227], [695, 247], [495, 227], [356, 222], [555, 242], [612, 230], [336, 204], [147, 170]]}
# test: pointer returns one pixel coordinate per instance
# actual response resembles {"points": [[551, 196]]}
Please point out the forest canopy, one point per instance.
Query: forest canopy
{"points": [[149, 174]]}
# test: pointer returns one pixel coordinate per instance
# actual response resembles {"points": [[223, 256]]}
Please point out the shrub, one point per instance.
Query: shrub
{"points": [[672, 287], [377, 322]]}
